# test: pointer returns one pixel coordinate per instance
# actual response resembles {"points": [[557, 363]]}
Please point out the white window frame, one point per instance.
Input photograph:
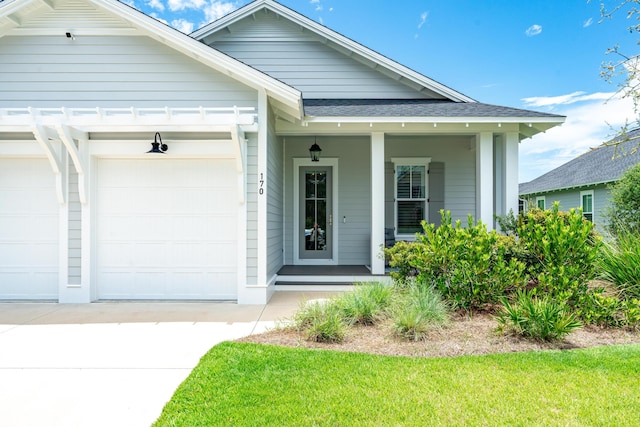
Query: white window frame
{"points": [[593, 200], [542, 199], [409, 161]]}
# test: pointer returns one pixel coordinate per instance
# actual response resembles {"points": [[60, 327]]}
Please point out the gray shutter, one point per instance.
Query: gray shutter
{"points": [[436, 191]]}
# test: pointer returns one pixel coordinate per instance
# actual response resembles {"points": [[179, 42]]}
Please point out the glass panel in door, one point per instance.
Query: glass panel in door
{"points": [[316, 221]]}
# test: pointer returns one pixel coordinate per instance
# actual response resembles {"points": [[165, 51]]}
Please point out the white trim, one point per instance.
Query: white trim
{"points": [[511, 167], [593, 200], [409, 161], [377, 202], [261, 203], [297, 164], [484, 179]]}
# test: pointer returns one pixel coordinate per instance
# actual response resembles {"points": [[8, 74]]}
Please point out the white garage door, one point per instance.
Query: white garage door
{"points": [[166, 229], [28, 230]]}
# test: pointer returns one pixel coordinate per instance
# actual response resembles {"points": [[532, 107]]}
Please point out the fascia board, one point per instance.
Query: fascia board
{"points": [[437, 119], [203, 53], [336, 38], [572, 187], [7, 7]]}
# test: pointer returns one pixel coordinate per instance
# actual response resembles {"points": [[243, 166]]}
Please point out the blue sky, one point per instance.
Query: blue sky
{"points": [[543, 55]]}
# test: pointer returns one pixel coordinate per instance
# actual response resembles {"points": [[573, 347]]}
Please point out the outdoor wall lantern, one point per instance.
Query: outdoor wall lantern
{"points": [[158, 147], [315, 151]]}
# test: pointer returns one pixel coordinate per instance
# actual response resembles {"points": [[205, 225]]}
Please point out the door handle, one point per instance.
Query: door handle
{"points": [[331, 220]]}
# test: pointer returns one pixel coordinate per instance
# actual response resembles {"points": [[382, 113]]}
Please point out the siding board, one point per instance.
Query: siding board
{"points": [[305, 61], [116, 71]]}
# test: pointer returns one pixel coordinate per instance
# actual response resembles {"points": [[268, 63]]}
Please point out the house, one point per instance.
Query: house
{"points": [[584, 181], [137, 162]]}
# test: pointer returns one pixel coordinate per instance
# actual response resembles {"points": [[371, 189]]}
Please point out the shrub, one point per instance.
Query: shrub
{"points": [[560, 249], [402, 257], [623, 213], [366, 304], [540, 318], [419, 310], [322, 321], [619, 262], [468, 265]]}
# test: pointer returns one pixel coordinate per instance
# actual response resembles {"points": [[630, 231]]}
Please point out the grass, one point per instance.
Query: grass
{"points": [[239, 384]]}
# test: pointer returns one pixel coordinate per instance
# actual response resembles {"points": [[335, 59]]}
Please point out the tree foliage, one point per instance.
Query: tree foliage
{"points": [[623, 213], [624, 67]]}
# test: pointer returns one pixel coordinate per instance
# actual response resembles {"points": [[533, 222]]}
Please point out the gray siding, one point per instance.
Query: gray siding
{"points": [[275, 201], [459, 170], [570, 199], [75, 228], [354, 194], [252, 209], [302, 60], [110, 71]]}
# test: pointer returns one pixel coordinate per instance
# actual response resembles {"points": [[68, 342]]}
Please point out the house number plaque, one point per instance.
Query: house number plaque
{"points": [[261, 184]]}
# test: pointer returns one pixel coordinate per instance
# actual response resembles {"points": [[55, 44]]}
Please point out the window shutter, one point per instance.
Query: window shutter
{"points": [[436, 191]]}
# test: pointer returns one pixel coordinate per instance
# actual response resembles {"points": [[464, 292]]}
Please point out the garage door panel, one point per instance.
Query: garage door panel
{"points": [[169, 237], [28, 230]]}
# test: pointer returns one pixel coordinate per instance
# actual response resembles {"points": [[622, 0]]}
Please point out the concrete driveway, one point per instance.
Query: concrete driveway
{"points": [[113, 364]]}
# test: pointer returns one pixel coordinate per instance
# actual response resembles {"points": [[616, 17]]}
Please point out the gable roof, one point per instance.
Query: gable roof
{"points": [[335, 39], [602, 165], [14, 14]]}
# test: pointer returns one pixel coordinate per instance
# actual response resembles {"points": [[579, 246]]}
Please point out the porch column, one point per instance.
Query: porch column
{"points": [[377, 202], [484, 178], [510, 157]]}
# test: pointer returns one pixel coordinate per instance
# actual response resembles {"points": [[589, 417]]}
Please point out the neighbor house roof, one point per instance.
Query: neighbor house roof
{"points": [[601, 165]]}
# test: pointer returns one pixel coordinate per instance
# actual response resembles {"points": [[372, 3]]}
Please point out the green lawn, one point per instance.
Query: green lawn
{"points": [[239, 384]]}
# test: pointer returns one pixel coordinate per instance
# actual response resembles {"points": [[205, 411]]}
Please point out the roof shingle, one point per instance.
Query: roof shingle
{"points": [[603, 164], [411, 108]]}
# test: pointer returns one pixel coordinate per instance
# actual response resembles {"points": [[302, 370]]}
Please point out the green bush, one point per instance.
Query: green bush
{"points": [[623, 214], [402, 257], [560, 249], [540, 318], [619, 262], [322, 321], [468, 265], [366, 304], [419, 310]]}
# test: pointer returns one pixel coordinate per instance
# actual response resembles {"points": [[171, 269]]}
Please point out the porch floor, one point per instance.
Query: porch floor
{"points": [[324, 270]]}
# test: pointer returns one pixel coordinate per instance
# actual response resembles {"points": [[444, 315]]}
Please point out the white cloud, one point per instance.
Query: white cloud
{"points": [[182, 25], [591, 120], [217, 9], [533, 30], [176, 5], [571, 98], [156, 4], [587, 23], [423, 19]]}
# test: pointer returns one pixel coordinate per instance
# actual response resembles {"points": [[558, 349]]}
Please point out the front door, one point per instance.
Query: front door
{"points": [[316, 215]]}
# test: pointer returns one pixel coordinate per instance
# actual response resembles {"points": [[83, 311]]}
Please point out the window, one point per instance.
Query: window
{"points": [[586, 203], [410, 194], [540, 202]]}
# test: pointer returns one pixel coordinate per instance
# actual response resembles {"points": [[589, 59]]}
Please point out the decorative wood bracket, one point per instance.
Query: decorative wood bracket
{"points": [[40, 134], [239, 141], [67, 139]]}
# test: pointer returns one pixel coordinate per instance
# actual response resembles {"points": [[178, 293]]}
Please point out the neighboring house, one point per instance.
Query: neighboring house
{"points": [[584, 181], [87, 214]]}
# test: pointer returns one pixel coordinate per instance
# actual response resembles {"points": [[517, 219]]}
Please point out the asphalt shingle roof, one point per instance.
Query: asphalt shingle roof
{"points": [[411, 108], [600, 165]]}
